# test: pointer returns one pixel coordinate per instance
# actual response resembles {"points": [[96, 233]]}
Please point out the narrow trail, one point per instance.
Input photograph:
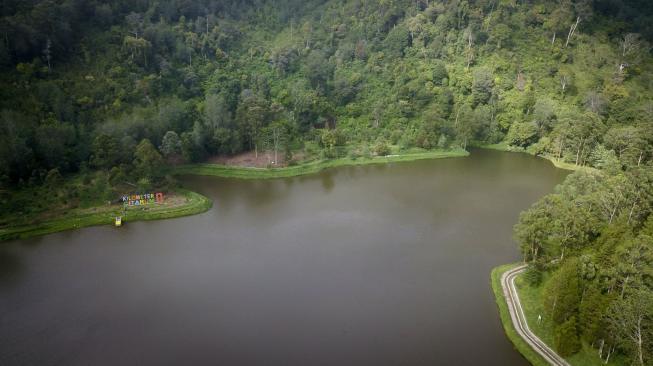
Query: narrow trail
{"points": [[519, 319]]}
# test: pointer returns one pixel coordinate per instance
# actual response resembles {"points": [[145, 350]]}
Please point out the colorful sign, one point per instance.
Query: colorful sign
{"points": [[142, 199]]}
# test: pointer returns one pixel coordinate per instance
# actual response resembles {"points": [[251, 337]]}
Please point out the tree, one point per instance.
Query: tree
{"points": [[318, 69], [439, 73], [276, 138], [501, 33], [566, 338], [522, 134], [532, 230], [396, 41], [135, 22], [216, 113], [465, 125], [592, 312], [105, 152], [482, 86], [632, 320], [251, 116], [148, 163], [544, 115], [171, 144], [572, 225], [627, 142], [562, 293]]}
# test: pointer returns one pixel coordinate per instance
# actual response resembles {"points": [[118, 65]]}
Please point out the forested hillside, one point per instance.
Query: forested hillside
{"points": [[95, 94], [85, 82]]}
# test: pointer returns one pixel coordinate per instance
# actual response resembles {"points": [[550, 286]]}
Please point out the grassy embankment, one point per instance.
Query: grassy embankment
{"points": [[531, 300], [515, 338], [307, 168], [502, 146], [181, 203]]}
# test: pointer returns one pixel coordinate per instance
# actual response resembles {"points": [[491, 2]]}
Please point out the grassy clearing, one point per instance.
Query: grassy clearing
{"points": [[531, 299], [181, 203], [516, 340], [307, 168]]}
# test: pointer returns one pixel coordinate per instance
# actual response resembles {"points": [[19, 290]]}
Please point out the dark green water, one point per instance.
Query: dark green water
{"points": [[373, 265]]}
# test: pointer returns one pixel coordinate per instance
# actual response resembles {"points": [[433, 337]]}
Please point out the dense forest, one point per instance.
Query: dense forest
{"points": [[95, 94]]}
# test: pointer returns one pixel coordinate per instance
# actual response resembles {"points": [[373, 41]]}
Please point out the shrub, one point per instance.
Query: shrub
{"points": [[381, 148]]}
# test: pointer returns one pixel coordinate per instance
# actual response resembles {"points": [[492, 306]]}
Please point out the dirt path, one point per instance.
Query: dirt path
{"points": [[265, 159], [519, 319]]}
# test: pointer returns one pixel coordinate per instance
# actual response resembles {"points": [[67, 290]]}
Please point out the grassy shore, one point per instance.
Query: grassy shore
{"points": [[516, 340], [502, 146], [307, 168], [180, 203]]}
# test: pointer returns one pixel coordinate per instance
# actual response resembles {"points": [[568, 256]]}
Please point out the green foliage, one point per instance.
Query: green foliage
{"points": [[148, 163], [566, 338], [171, 144], [82, 83], [381, 148], [533, 275]]}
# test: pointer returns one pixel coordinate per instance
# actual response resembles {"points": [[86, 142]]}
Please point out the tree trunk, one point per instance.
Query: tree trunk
{"points": [[614, 211], [623, 288], [639, 345], [607, 358], [579, 149], [572, 30], [632, 209]]}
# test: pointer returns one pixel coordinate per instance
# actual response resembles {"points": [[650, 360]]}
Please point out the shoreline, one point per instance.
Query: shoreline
{"points": [[557, 163], [509, 329], [195, 204], [226, 171]]}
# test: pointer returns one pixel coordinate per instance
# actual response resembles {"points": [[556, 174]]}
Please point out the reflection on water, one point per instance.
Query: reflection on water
{"points": [[11, 265], [371, 265]]}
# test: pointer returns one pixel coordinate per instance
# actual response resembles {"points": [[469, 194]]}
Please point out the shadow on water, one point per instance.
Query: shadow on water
{"points": [[327, 181], [11, 265]]}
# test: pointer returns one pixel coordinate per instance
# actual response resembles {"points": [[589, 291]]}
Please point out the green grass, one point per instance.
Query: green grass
{"points": [[194, 203], [516, 340], [307, 168], [531, 299]]}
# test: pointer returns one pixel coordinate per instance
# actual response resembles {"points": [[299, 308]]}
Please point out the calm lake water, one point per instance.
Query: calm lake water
{"points": [[374, 265]]}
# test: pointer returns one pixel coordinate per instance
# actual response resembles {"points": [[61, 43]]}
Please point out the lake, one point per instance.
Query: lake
{"points": [[371, 265]]}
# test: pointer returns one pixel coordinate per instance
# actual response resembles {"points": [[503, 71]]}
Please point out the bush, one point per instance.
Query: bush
{"points": [[381, 148]]}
